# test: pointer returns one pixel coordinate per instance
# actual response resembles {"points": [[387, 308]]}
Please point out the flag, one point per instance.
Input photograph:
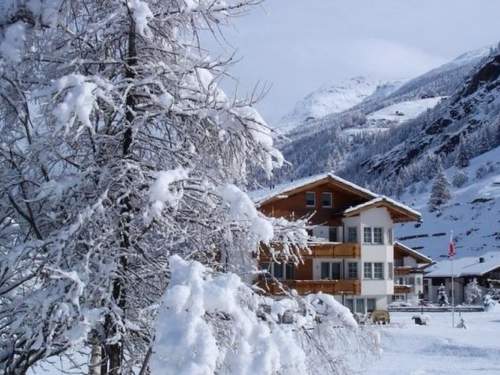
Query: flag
{"points": [[452, 251]]}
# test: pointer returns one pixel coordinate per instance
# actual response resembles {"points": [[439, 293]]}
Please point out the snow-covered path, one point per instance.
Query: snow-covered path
{"points": [[439, 349]]}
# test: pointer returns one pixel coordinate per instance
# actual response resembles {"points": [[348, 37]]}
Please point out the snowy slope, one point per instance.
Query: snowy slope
{"points": [[404, 111], [328, 100], [473, 213]]}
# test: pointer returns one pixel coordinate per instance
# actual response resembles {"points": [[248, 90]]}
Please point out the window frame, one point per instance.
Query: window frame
{"points": [[370, 229], [368, 266], [330, 194], [349, 276], [314, 200], [349, 232], [379, 231], [330, 270], [381, 275]]}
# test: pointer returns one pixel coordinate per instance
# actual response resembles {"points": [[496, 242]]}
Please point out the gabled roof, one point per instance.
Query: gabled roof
{"points": [[467, 266], [407, 213], [413, 253], [280, 191]]}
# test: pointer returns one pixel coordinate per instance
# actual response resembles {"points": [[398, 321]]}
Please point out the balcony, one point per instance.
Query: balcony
{"points": [[402, 289], [321, 250], [335, 250], [303, 287]]}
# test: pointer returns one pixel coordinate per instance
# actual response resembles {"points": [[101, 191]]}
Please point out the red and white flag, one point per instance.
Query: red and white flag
{"points": [[452, 251]]}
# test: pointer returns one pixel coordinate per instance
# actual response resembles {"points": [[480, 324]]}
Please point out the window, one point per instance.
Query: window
{"points": [[325, 270], [360, 305], [349, 303], [418, 280], [368, 274], [326, 200], [331, 270], [410, 280], [352, 234], [333, 234], [367, 235], [378, 235], [378, 271], [390, 236], [371, 304], [336, 271], [278, 271], [310, 199], [265, 267], [352, 270], [390, 270], [290, 271], [373, 270]]}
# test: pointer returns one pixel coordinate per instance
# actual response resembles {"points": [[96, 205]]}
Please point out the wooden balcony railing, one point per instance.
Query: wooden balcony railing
{"points": [[303, 287], [402, 289], [332, 250], [322, 249]]}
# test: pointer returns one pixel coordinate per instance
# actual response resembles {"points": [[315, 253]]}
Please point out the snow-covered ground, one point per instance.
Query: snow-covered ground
{"points": [[404, 111], [438, 348], [473, 213]]}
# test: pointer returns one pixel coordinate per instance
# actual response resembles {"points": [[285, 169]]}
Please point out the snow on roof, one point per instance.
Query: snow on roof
{"points": [[382, 199], [413, 252], [262, 195], [466, 266]]}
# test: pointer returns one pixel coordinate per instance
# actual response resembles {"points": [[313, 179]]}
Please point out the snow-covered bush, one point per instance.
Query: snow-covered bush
{"points": [[473, 292], [459, 179], [489, 303], [442, 295], [214, 323]]}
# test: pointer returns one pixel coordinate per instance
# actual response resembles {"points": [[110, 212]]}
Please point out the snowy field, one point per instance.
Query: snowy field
{"points": [[409, 349]]}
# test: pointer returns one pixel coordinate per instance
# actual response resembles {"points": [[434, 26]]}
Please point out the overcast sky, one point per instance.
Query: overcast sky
{"points": [[299, 45]]}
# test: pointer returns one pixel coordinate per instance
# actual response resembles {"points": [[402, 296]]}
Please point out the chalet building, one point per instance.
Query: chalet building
{"points": [[351, 252], [484, 268], [409, 268]]}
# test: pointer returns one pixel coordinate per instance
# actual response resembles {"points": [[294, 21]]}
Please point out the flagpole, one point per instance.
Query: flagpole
{"points": [[452, 286]]}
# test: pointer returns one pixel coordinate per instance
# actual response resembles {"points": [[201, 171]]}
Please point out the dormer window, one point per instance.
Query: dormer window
{"points": [[326, 200], [310, 199]]}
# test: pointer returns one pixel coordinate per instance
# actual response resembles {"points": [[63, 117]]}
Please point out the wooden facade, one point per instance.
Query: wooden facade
{"points": [[303, 287]]}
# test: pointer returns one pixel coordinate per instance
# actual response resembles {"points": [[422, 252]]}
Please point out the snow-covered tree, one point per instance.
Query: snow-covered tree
{"points": [[440, 193], [459, 179], [442, 295], [473, 292], [463, 154], [117, 149]]}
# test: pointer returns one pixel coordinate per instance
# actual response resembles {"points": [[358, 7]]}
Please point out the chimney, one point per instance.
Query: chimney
{"points": [[481, 260]]}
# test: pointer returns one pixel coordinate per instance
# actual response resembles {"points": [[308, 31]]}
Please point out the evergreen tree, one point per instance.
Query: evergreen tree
{"points": [[473, 292], [440, 193], [463, 156]]}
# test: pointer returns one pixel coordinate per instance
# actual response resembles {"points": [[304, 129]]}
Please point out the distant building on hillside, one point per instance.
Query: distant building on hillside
{"points": [[352, 243], [409, 267], [484, 268]]}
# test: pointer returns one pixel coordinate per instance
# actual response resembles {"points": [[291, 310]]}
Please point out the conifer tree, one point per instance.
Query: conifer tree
{"points": [[462, 158], [440, 193]]}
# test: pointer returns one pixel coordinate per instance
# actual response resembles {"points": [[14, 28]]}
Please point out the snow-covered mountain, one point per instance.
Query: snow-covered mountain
{"points": [[356, 140], [473, 213], [328, 100]]}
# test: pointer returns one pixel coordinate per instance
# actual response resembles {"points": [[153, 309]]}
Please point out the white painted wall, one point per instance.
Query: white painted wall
{"points": [[377, 217]]}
